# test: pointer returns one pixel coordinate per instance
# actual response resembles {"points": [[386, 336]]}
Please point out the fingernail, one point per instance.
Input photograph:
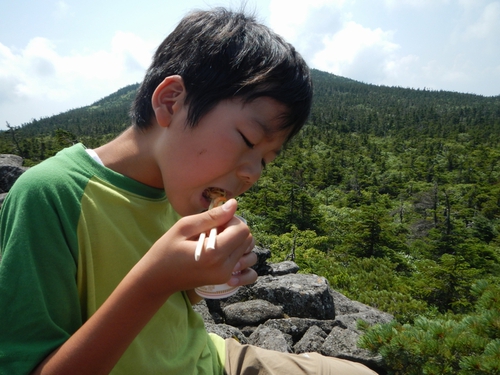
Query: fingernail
{"points": [[227, 206], [237, 267], [233, 281]]}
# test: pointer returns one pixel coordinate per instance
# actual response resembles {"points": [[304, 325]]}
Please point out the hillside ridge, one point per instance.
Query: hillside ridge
{"points": [[330, 90]]}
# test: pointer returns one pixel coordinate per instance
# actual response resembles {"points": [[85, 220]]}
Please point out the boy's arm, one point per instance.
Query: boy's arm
{"points": [[168, 267], [98, 345]]}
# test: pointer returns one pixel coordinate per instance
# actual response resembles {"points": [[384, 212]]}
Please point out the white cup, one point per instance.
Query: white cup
{"points": [[221, 290]]}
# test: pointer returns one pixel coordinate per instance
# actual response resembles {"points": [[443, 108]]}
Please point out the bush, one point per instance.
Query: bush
{"points": [[467, 345]]}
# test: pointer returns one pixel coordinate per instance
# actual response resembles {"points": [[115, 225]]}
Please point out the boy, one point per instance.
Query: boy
{"points": [[98, 268]]}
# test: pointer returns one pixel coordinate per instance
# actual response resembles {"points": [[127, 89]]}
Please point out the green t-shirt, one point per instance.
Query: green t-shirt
{"points": [[71, 229]]}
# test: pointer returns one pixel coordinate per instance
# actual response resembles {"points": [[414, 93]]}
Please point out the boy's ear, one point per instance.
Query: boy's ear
{"points": [[168, 98]]}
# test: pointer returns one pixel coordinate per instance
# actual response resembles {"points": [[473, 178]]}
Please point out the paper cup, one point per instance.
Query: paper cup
{"points": [[241, 218], [220, 290], [216, 291]]}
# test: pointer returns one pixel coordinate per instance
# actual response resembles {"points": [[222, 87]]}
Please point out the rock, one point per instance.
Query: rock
{"points": [[283, 268], [372, 316], [226, 331], [270, 338], [349, 312], [344, 305], [302, 296], [251, 313], [297, 327], [312, 341], [342, 343], [10, 159], [10, 170], [2, 198], [202, 309], [261, 267]]}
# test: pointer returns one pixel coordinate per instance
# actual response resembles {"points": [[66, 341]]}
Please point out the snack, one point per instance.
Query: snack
{"points": [[217, 197]]}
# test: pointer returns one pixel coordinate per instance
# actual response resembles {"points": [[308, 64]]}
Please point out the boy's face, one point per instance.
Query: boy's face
{"points": [[227, 149]]}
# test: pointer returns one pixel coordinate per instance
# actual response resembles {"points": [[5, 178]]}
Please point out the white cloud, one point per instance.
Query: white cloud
{"points": [[438, 44], [324, 32], [127, 59], [39, 77], [488, 24], [352, 47], [292, 20]]}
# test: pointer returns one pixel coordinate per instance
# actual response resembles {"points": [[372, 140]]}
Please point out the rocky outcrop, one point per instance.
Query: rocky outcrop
{"points": [[283, 310], [295, 313], [11, 167]]}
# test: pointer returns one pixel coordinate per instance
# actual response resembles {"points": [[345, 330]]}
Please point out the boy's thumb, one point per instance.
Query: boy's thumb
{"points": [[222, 214]]}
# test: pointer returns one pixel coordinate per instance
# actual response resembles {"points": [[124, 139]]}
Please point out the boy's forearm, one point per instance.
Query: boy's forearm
{"points": [[98, 345]]}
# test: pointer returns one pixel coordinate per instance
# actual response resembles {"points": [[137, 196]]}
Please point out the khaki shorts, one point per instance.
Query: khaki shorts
{"points": [[252, 360]]}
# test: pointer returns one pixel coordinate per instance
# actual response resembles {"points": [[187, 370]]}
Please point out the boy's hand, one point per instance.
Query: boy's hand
{"points": [[171, 263]]}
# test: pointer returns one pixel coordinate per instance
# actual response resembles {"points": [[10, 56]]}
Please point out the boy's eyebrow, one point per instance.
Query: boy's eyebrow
{"points": [[268, 132]]}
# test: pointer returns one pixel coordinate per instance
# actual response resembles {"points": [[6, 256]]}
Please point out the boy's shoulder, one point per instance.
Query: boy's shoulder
{"points": [[58, 165], [57, 173]]}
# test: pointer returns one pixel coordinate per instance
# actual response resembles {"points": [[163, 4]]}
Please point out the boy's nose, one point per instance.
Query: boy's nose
{"points": [[250, 172]]}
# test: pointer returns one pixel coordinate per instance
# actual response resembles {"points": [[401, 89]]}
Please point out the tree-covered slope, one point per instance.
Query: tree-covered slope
{"points": [[108, 115], [392, 194]]}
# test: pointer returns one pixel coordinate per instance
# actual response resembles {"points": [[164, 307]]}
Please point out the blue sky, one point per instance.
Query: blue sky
{"points": [[56, 55]]}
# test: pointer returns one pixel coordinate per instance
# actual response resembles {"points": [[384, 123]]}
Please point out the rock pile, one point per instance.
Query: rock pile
{"points": [[291, 312]]}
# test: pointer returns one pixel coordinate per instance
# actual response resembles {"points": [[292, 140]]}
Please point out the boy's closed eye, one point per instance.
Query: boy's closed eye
{"points": [[247, 142], [251, 145]]}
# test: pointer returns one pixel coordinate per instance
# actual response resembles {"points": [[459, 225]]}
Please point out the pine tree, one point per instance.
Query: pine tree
{"points": [[466, 346]]}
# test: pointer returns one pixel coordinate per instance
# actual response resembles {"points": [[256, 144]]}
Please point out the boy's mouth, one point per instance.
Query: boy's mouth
{"points": [[212, 193]]}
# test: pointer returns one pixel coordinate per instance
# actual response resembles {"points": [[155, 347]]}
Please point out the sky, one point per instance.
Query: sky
{"points": [[56, 55]]}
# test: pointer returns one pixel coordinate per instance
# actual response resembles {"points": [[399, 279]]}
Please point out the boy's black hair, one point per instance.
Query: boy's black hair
{"points": [[222, 55]]}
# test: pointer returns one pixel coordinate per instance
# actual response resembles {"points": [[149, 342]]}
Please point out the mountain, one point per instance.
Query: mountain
{"points": [[350, 106], [339, 103], [108, 115]]}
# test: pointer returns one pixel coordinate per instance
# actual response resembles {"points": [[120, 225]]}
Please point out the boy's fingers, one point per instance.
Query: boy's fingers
{"points": [[226, 210], [207, 220], [245, 277]]}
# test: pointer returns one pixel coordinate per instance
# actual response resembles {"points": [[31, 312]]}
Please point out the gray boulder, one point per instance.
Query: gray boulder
{"points": [[297, 327], [283, 268], [342, 343], [226, 331], [270, 338], [251, 313], [303, 296], [11, 167], [202, 309], [312, 341]]}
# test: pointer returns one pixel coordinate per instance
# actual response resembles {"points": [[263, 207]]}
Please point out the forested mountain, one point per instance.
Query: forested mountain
{"points": [[93, 125], [392, 194]]}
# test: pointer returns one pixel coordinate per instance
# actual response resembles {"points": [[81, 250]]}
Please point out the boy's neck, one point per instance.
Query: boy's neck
{"points": [[130, 154]]}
